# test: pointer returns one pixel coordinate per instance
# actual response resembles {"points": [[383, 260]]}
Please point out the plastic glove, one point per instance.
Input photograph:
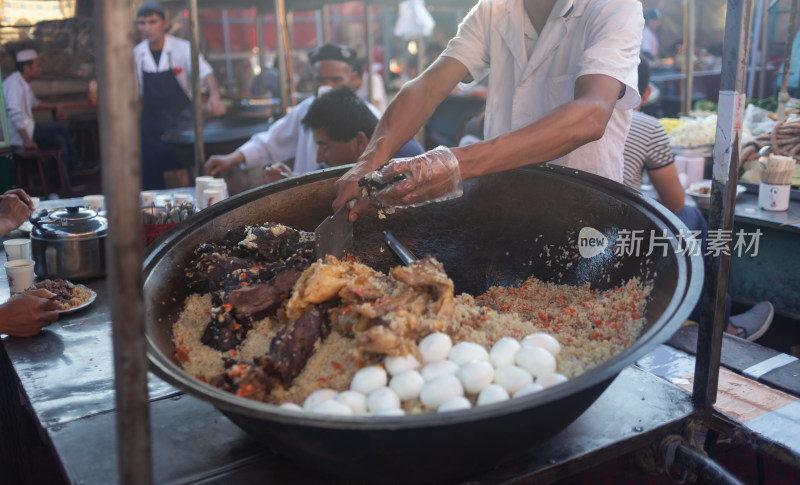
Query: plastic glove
{"points": [[433, 176]]}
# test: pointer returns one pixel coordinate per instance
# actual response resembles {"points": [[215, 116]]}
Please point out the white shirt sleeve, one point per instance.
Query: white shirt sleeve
{"points": [[279, 142], [470, 46], [613, 47], [205, 68], [15, 104]]}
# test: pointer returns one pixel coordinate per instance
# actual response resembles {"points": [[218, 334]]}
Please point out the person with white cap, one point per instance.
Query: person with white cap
{"points": [[163, 66], [24, 131], [652, 22]]}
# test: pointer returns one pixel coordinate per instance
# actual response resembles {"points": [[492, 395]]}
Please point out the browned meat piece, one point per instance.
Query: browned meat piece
{"points": [[61, 288], [244, 380], [196, 273], [223, 332], [221, 269], [272, 241], [259, 300], [294, 344], [428, 275]]}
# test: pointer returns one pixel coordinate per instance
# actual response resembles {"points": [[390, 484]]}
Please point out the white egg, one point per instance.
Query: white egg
{"points": [[333, 408], [368, 379], [381, 399], [396, 365], [491, 394], [535, 360], [463, 352], [512, 378], [475, 375], [356, 401], [390, 412], [407, 384], [317, 397], [551, 379], [291, 406], [529, 389], [454, 404], [441, 368], [503, 351], [435, 347], [439, 390], [543, 340]]}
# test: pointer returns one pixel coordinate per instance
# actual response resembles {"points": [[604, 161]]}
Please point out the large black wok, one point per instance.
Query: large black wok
{"points": [[496, 232]]}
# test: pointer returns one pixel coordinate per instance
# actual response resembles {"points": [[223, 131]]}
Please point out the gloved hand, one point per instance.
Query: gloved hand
{"points": [[433, 176]]}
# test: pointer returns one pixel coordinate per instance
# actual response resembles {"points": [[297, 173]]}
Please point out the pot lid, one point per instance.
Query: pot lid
{"points": [[69, 223]]}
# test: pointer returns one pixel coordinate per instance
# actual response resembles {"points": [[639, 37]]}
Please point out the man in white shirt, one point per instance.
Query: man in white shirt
{"points": [[652, 22], [163, 66], [562, 89], [287, 138], [24, 131]]}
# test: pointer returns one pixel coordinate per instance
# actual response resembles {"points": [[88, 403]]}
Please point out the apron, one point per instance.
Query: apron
{"points": [[165, 106]]}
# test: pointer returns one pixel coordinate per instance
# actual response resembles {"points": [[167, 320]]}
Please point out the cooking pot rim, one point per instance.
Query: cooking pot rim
{"points": [[691, 279]]}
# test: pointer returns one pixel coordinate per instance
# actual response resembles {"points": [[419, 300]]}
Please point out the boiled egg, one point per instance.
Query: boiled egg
{"points": [[463, 352], [437, 391], [475, 375], [503, 351], [550, 379], [333, 408], [454, 404], [319, 396], [356, 401], [491, 394], [396, 365], [435, 347], [381, 399], [535, 360], [543, 340], [407, 384], [368, 379], [512, 378], [441, 368]]}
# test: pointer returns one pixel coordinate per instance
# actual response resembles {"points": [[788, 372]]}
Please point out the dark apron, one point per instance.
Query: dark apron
{"points": [[165, 106]]}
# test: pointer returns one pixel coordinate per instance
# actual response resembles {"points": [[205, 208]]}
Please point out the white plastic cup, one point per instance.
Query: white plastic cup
{"points": [[35, 201], [212, 196], [17, 249], [695, 165], [147, 198], [20, 275], [182, 198], [219, 184], [95, 202], [773, 197], [200, 184]]}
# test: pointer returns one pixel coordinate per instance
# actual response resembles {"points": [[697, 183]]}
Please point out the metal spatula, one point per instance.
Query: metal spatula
{"points": [[335, 235]]}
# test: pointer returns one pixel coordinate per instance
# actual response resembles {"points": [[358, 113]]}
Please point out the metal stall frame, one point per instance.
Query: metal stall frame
{"points": [[118, 129]]}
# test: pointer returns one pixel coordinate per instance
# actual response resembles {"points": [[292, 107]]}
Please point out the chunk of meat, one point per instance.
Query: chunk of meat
{"points": [[260, 300], [293, 346], [223, 331]]}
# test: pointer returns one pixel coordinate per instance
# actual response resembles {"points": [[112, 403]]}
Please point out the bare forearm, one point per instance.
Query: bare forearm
{"points": [[564, 129], [211, 83]]}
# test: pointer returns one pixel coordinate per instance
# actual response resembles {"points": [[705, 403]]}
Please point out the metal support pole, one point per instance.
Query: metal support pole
{"points": [[282, 61], [783, 95], [723, 195], [280, 12], [388, 50], [326, 25], [262, 48], [120, 144], [197, 102], [689, 62], [765, 32], [227, 40], [370, 51], [754, 51]]}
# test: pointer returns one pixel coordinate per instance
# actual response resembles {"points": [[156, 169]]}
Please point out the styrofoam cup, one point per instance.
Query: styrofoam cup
{"points": [[774, 197], [147, 198], [212, 196], [95, 202], [200, 184], [17, 249], [20, 275]]}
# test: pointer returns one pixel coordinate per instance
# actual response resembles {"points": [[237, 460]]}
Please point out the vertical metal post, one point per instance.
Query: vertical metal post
{"points": [[318, 27], [285, 48], [783, 95], [370, 51], [326, 25], [689, 62], [751, 80], [282, 61], [226, 35], [120, 144], [762, 73], [262, 48], [197, 102], [388, 49], [723, 195]]}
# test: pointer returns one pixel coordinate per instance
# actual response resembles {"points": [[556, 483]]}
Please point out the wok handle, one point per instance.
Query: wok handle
{"points": [[402, 252]]}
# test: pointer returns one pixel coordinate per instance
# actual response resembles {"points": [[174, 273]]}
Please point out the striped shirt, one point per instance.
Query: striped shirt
{"points": [[647, 147]]}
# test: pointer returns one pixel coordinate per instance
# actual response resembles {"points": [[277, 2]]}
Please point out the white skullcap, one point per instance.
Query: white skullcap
{"points": [[26, 55]]}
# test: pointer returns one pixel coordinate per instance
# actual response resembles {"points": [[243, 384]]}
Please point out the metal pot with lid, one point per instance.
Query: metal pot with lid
{"points": [[69, 243]]}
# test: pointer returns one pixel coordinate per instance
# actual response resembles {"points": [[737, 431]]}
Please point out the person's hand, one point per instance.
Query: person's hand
{"points": [[23, 196], [217, 164], [14, 211], [29, 144], [276, 171], [347, 185], [27, 314], [433, 176], [215, 106]]}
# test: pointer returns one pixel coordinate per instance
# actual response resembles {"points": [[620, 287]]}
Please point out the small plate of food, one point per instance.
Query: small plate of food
{"points": [[701, 192], [70, 297]]}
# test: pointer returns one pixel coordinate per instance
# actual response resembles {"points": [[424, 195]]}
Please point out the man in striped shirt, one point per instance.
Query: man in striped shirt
{"points": [[647, 147]]}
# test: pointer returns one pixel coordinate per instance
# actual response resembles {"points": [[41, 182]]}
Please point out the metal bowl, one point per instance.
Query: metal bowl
{"points": [[496, 232]]}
